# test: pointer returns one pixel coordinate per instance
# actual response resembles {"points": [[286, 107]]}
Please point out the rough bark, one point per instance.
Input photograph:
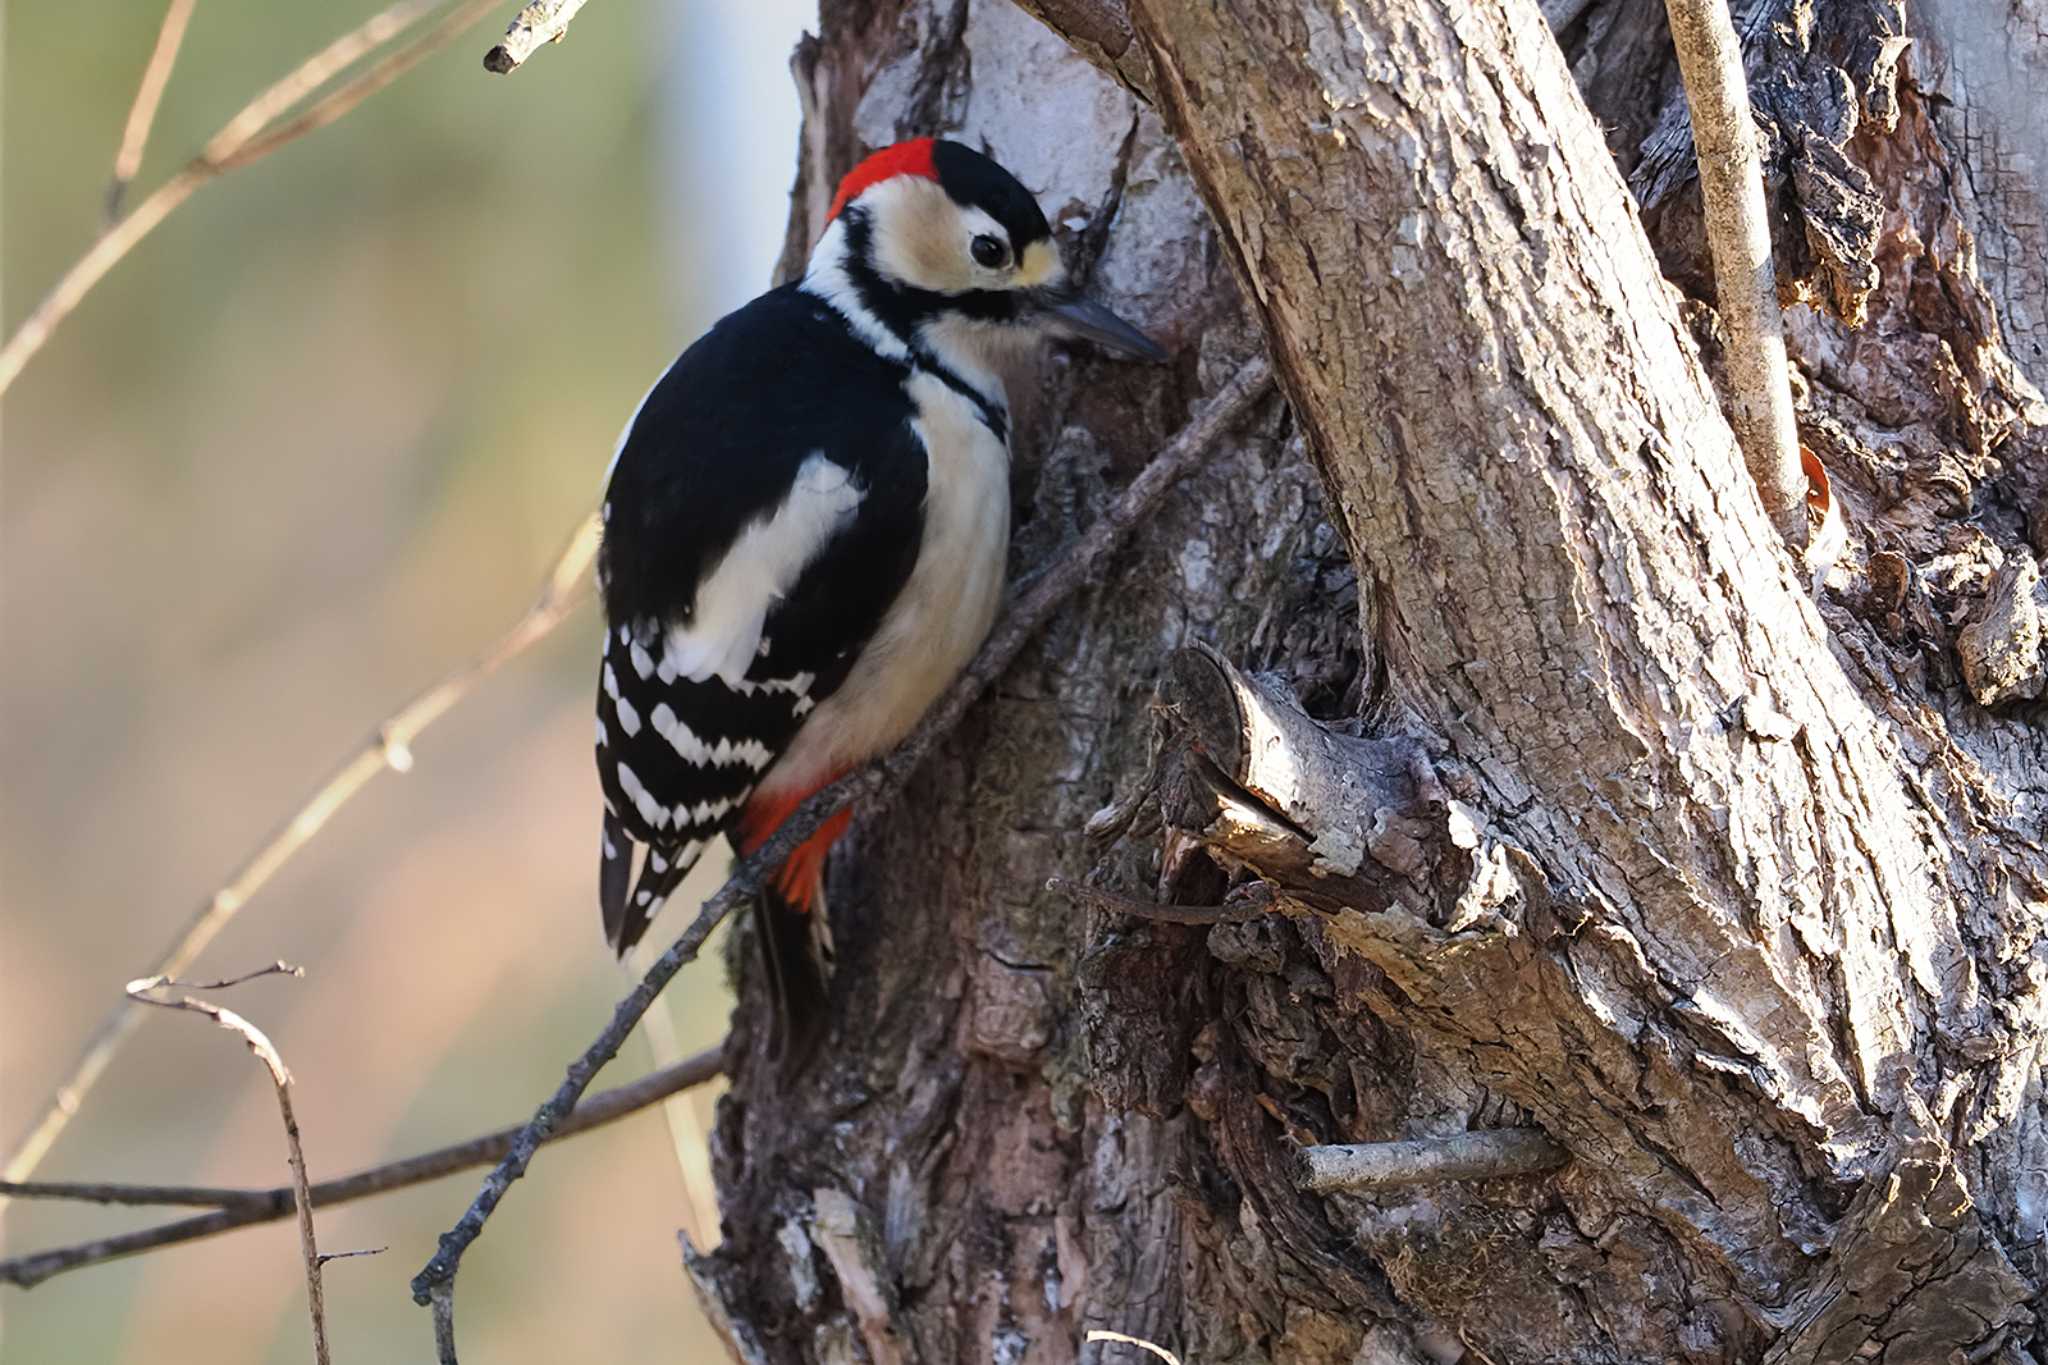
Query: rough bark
{"points": [[1567, 806]]}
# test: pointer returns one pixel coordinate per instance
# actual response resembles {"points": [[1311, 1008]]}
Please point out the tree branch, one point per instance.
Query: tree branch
{"points": [[1029, 609], [150, 991], [246, 1208], [1739, 238], [249, 135], [540, 23], [170, 36], [390, 746], [1486, 1155]]}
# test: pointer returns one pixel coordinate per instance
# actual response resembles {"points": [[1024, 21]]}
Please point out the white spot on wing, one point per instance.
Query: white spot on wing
{"points": [[694, 749], [642, 664], [652, 811], [629, 719], [656, 861], [600, 732]]}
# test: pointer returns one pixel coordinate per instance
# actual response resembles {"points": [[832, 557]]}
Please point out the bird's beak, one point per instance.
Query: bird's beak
{"points": [[1070, 315]]}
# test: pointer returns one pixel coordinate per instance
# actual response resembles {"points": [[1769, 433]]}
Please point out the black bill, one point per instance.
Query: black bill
{"points": [[1087, 320]]}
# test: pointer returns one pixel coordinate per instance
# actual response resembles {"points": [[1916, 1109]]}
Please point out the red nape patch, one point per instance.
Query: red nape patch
{"points": [[905, 158], [802, 875]]}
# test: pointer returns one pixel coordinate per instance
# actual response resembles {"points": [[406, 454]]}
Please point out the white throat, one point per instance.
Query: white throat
{"points": [[966, 349]]}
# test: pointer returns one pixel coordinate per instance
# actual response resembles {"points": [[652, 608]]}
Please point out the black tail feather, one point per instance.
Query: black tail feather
{"points": [[797, 961], [662, 869], [614, 876]]}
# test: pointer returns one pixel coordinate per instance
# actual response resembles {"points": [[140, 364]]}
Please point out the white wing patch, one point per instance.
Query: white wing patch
{"points": [[732, 606]]}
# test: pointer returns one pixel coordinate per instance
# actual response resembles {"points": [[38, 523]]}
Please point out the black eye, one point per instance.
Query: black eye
{"points": [[990, 252]]}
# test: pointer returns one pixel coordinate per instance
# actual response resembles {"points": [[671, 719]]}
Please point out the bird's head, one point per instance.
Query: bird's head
{"points": [[945, 250]]}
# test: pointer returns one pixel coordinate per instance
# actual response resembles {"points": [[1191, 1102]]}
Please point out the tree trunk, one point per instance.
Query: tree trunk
{"points": [[1522, 781]]}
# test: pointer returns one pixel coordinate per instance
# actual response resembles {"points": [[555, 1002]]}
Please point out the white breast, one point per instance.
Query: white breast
{"points": [[943, 613]]}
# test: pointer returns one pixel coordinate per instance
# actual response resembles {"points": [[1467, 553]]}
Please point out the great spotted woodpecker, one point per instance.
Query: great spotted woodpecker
{"points": [[807, 520]]}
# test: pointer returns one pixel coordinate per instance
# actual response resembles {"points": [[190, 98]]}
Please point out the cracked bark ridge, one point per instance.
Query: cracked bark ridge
{"points": [[1912, 1270]]}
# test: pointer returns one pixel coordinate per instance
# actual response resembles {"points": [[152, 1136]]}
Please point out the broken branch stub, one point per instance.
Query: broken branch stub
{"points": [[1329, 818]]}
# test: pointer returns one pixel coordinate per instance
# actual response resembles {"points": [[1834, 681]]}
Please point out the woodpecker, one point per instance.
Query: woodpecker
{"points": [[806, 524]]}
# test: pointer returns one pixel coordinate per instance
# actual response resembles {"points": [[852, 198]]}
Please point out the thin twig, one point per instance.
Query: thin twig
{"points": [[1029, 608], [326, 110], [540, 23], [444, 1323], [246, 1208], [277, 968], [139, 1196], [149, 93], [245, 137], [1253, 904], [149, 991], [1485, 1155], [1739, 239], [390, 746], [1098, 1334], [327, 1256]]}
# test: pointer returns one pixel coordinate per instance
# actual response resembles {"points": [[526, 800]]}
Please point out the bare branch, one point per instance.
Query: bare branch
{"points": [[1153, 1347], [148, 991], [1739, 238], [390, 746], [444, 1323], [118, 1192], [1028, 610], [170, 36], [327, 1256], [1255, 902], [1485, 1155], [540, 23], [159, 982], [250, 134], [246, 1208]]}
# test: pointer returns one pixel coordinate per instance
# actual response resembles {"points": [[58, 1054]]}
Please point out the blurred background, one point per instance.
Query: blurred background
{"points": [[311, 445]]}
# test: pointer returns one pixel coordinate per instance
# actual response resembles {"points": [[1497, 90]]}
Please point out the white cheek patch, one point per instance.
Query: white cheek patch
{"points": [[723, 633], [919, 236]]}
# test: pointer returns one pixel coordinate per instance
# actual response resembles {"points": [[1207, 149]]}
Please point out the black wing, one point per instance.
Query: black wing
{"points": [[714, 450]]}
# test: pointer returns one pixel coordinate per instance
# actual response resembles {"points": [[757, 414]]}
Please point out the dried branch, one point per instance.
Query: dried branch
{"points": [[389, 747], [254, 132], [1098, 1334], [1253, 903], [1486, 1155], [119, 1192], [151, 991], [1739, 239], [1029, 608], [540, 23], [170, 36], [246, 1208]]}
